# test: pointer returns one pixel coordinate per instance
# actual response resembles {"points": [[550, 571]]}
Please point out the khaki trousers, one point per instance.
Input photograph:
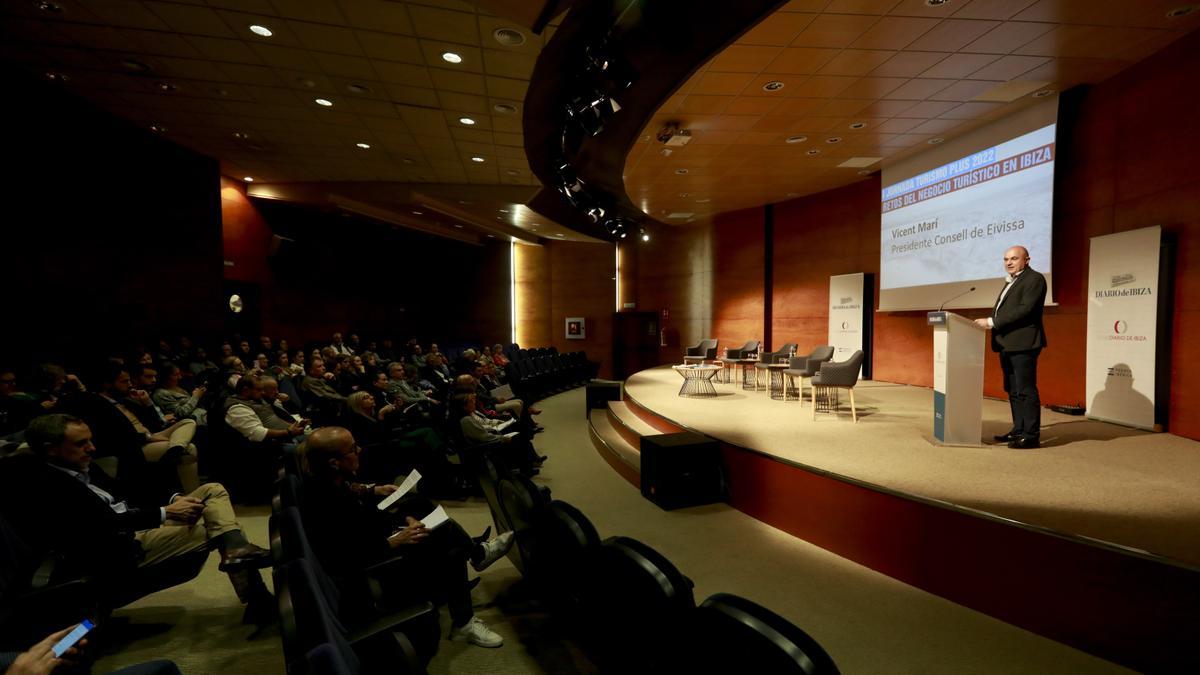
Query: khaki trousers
{"points": [[172, 540], [178, 434]]}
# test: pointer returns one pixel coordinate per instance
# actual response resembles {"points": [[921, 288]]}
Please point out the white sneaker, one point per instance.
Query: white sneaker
{"points": [[494, 550], [477, 633]]}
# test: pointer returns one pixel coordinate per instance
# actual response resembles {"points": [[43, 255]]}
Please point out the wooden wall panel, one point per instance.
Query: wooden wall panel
{"points": [[582, 284], [738, 259], [675, 273], [532, 268]]}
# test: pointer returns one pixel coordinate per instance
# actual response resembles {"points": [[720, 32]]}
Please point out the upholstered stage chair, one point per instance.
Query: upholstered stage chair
{"points": [[705, 351], [834, 376], [806, 366], [747, 351]]}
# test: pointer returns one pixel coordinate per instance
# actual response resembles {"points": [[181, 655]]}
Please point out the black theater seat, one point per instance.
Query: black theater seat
{"points": [[522, 503], [567, 547]]}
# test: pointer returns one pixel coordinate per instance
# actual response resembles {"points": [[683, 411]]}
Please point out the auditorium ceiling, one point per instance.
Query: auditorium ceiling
{"points": [[884, 77]]}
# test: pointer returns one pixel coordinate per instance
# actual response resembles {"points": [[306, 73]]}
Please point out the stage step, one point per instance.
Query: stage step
{"points": [[623, 456], [628, 424]]}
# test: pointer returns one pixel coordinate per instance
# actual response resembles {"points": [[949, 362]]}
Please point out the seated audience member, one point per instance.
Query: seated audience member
{"points": [[246, 413], [498, 357], [226, 350], [58, 500], [395, 450], [416, 357], [339, 347], [284, 367], [243, 352], [514, 407], [233, 368], [371, 365], [144, 379], [465, 363], [284, 347], [355, 343], [407, 390], [16, 407], [174, 400], [386, 353], [40, 660], [283, 405], [319, 383], [265, 347], [199, 362], [164, 352], [349, 534], [262, 364], [517, 451], [348, 380], [120, 433], [436, 374]]}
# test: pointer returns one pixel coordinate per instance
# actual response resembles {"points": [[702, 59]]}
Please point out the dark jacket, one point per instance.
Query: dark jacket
{"points": [[54, 511], [1017, 322]]}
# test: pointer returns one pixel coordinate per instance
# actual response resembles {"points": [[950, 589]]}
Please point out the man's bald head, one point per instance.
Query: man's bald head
{"points": [[324, 448], [1016, 259]]}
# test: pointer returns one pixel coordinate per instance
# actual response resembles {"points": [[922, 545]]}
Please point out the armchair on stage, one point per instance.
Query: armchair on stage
{"points": [[832, 377], [958, 349], [705, 351], [748, 351]]}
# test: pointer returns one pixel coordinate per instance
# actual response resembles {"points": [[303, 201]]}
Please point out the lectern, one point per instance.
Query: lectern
{"points": [[957, 379]]}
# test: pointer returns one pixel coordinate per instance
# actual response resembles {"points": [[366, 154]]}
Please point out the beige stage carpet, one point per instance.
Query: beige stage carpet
{"points": [[870, 623], [1108, 482]]}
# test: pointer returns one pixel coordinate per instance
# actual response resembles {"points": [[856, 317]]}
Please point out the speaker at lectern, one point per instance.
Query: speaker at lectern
{"points": [[958, 351]]}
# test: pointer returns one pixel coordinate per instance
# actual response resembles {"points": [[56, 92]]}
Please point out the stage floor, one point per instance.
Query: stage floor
{"points": [[1092, 479]]}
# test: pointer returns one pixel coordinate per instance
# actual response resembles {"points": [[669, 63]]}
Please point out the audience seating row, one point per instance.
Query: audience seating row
{"points": [[537, 373]]}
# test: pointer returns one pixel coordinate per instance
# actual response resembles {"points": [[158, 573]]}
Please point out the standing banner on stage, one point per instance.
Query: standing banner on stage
{"points": [[847, 316], [1122, 324]]}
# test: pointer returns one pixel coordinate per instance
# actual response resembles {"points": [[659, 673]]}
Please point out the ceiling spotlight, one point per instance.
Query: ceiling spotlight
{"points": [[616, 227], [261, 30], [592, 111], [502, 210], [601, 61], [858, 125], [595, 214], [451, 57], [158, 128], [505, 108], [936, 3], [1181, 11], [363, 146], [135, 66], [355, 88], [864, 172], [240, 136], [681, 171], [645, 235], [477, 159], [248, 179], [560, 236], [792, 140], [52, 7], [418, 213], [458, 226], [57, 77], [773, 85], [703, 201], [1042, 93], [509, 37], [813, 153], [323, 102], [833, 139], [466, 120], [513, 172], [167, 87], [406, 160], [935, 141]]}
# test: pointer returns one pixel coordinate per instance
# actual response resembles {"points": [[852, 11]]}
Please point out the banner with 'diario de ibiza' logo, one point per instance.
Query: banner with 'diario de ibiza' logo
{"points": [[1123, 327]]}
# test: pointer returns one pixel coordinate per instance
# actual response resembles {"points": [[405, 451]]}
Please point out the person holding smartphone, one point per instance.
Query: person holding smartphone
{"points": [[65, 648]]}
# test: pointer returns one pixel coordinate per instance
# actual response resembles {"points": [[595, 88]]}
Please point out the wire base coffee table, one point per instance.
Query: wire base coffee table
{"points": [[697, 380]]}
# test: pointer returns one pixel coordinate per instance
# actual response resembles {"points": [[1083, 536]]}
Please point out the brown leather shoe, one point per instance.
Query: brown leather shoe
{"points": [[245, 557]]}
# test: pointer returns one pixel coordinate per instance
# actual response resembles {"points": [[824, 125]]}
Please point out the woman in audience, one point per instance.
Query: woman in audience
{"points": [[174, 399], [348, 533], [395, 450], [262, 364], [513, 450], [498, 357], [199, 362]]}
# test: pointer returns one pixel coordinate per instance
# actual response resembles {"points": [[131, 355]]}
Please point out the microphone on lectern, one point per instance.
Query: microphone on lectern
{"points": [[969, 290]]}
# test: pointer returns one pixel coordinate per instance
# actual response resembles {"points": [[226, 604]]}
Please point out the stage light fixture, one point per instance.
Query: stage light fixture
{"points": [[592, 111], [603, 62], [595, 213], [645, 235]]}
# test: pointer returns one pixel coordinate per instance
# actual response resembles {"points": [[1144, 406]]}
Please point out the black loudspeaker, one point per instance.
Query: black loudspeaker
{"points": [[683, 469], [600, 392]]}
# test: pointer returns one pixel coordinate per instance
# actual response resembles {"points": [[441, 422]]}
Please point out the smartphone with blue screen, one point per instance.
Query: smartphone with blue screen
{"points": [[71, 638]]}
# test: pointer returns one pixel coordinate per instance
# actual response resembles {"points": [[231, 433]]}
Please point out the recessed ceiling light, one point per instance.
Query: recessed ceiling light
{"points": [[458, 226], [936, 3], [418, 213], [248, 179], [51, 7], [1042, 93], [865, 172], [477, 159], [363, 146], [513, 172], [773, 85], [261, 30], [466, 120], [935, 141], [505, 108], [464, 202], [703, 201], [792, 140], [491, 236], [814, 152], [681, 171], [406, 160], [1181, 11], [502, 210], [306, 82], [645, 236], [858, 125], [833, 139], [451, 57], [509, 37], [324, 102], [167, 87], [57, 77], [240, 136], [158, 128], [354, 88], [560, 236]]}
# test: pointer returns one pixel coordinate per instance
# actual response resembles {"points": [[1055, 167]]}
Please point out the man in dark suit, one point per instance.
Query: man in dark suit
{"points": [[1017, 334], [58, 501]]}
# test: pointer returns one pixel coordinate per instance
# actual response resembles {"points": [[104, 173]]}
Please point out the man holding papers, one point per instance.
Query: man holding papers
{"points": [[348, 533]]}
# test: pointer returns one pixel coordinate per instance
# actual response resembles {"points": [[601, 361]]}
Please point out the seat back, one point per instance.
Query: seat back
{"points": [[289, 542], [305, 620], [522, 503], [812, 362], [840, 373], [746, 351], [750, 638], [567, 546]]}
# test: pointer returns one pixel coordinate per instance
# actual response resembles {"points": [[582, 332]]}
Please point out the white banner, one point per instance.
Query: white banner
{"points": [[846, 297], [1122, 327]]}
